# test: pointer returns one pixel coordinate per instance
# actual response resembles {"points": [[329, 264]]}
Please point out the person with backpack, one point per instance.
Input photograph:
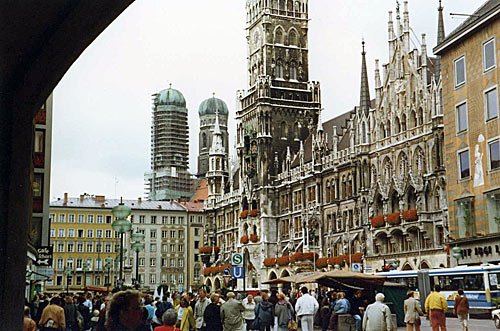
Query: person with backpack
{"points": [[283, 310], [264, 314]]}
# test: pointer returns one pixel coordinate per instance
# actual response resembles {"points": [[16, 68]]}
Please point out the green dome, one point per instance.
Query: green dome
{"points": [[210, 105], [170, 96]]}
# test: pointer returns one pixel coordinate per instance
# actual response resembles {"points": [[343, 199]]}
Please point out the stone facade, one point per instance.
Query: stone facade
{"points": [[472, 145], [364, 189]]}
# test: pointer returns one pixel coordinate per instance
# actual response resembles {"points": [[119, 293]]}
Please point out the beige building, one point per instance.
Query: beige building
{"points": [[83, 237], [469, 64]]}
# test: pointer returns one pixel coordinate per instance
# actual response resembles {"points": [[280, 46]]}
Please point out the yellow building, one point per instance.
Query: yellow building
{"points": [[469, 64], [82, 240]]}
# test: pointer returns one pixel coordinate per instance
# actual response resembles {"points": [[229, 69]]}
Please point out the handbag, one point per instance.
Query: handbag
{"points": [[256, 324], [418, 321]]}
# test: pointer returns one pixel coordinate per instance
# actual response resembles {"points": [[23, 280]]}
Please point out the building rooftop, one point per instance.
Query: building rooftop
{"points": [[100, 202], [192, 206], [201, 193]]}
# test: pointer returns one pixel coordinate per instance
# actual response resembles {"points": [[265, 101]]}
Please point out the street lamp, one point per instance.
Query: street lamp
{"points": [[86, 267], [121, 225], [137, 246], [456, 252], [108, 264], [67, 273]]}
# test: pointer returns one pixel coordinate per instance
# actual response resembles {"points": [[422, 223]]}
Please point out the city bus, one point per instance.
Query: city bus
{"points": [[480, 284]]}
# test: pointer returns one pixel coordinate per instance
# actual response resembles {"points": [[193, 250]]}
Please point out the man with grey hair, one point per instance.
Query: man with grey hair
{"points": [[199, 310], [168, 318], [230, 313], [377, 316]]}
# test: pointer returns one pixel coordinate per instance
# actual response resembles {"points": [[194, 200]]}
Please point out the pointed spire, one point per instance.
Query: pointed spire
{"points": [[364, 98], [378, 81], [390, 25], [440, 33]]}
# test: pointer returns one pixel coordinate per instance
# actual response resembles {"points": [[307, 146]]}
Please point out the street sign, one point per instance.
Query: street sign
{"points": [[44, 256], [237, 259], [238, 272], [227, 272], [356, 267], [43, 273]]}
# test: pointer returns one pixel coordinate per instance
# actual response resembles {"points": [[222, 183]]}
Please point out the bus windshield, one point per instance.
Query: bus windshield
{"points": [[468, 282]]}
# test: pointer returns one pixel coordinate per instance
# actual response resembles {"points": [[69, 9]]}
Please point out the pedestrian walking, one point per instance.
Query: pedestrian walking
{"points": [[185, 315], [264, 314], [412, 312], [461, 309], [249, 312], [212, 316], [231, 314], [169, 318], [435, 308], [377, 316], [70, 314], [283, 310], [199, 310], [53, 316], [305, 308], [28, 323]]}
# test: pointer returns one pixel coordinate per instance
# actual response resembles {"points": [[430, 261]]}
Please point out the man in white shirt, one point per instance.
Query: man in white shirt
{"points": [[306, 307]]}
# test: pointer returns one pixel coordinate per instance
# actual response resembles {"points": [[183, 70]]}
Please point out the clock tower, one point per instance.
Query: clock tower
{"points": [[280, 107]]}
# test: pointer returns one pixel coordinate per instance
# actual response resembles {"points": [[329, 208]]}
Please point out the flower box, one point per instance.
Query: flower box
{"points": [[208, 271], [393, 219], [322, 262], [296, 257], [209, 249], [253, 213], [244, 240], [283, 260], [301, 256], [377, 221], [410, 215], [270, 262], [254, 238], [356, 257], [335, 260], [244, 214]]}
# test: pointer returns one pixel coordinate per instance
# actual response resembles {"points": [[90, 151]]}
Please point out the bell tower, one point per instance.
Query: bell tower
{"points": [[280, 107]]}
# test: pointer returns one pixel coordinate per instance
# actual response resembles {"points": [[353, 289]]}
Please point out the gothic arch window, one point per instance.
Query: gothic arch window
{"points": [[278, 36], [292, 38], [204, 140], [382, 131], [419, 161], [397, 126], [328, 193], [413, 119], [293, 70], [420, 116], [363, 133], [282, 5], [279, 69], [296, 130], [284, 130], [402, 166], [388, 128], [403, 123]]}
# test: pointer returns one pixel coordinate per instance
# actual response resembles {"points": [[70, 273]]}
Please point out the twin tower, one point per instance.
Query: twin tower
{"points": [[169, 177]]}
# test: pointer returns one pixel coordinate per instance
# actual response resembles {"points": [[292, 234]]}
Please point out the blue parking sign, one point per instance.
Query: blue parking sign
{"points": [[237, 272]]}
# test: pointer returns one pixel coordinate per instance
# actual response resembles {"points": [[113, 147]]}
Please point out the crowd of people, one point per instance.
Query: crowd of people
{"points": [[261, 311], [132, 310]]}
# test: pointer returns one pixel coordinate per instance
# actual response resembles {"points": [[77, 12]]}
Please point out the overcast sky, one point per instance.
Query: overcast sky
{"points": [[102, 106]]}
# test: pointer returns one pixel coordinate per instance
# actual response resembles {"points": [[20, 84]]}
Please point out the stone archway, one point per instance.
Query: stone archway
{"points": [[217, 284], [36, 53], [424, 265], [407, 266]]}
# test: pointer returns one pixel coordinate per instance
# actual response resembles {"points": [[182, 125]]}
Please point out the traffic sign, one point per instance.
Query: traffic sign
{"points": [[238, 272], [227, 272], [237, 259], [356, 267], [44, 256]]}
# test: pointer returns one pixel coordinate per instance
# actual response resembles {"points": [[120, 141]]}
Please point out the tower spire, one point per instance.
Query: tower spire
{"points": [[364, 98], [440, 33]]}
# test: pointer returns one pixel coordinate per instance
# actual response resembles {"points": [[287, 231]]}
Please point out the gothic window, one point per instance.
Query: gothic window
{"points": [[388, 128], [363, 133], [293, 71], [413, 119], [292, 38], [204, 140], [327, 198], [284, 130], [403, 123], [279, 69], [278, 36], [397, 126], [420, 118], [382, 131], [296, 131]]}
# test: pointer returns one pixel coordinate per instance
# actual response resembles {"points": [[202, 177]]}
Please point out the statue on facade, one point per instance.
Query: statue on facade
{"points": [[478, 171]]}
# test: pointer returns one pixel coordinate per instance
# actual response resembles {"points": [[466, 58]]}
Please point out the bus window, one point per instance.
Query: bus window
{"points": [[471, 282], [494, 278]]}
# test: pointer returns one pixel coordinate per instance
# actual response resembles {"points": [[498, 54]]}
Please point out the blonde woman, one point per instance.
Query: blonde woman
{"points": [[185, 315]]}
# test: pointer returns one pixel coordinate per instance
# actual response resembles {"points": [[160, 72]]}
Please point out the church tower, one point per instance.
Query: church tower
{"points": [[207, 112], [217, 174], [280, 108]]}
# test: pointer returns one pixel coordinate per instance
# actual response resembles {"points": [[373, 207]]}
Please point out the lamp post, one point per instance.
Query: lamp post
{"points": [[108, 264], [456, 252], [121, 225], [67, 273], [86, 267], [137, 246]]}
